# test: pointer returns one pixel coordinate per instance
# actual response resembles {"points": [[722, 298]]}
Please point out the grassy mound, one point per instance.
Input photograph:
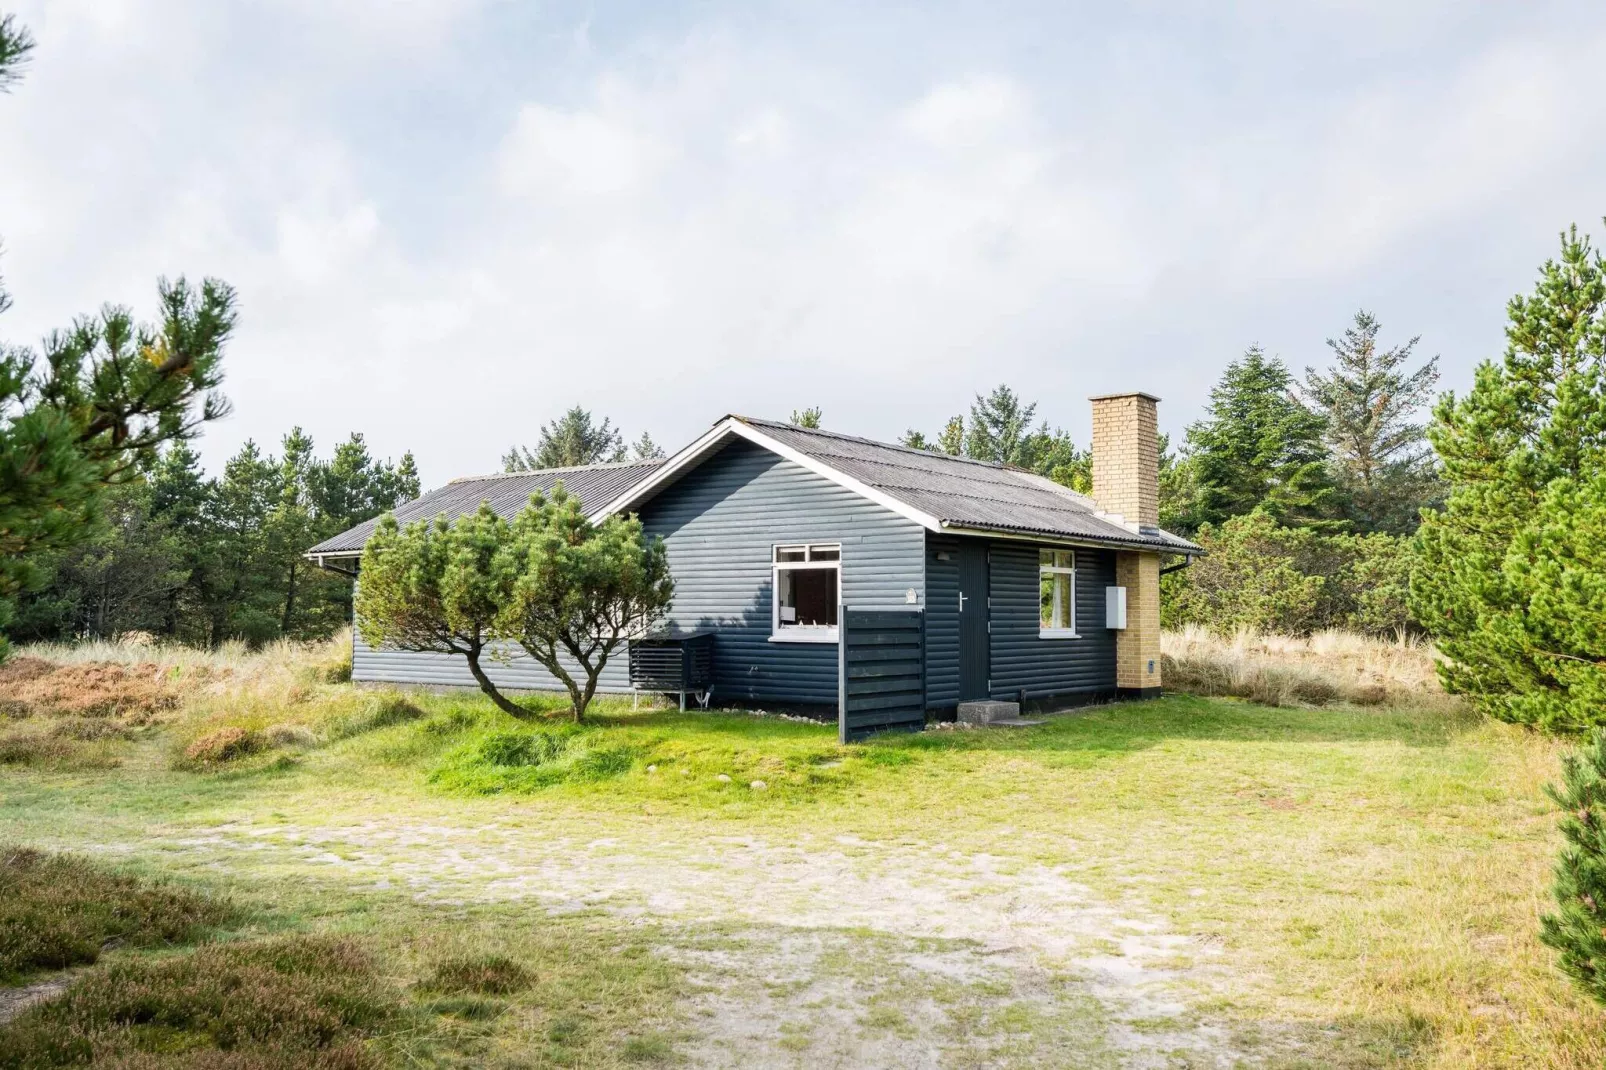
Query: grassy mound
{"points": [[290, 1003], [58, 911], [525, 759]]}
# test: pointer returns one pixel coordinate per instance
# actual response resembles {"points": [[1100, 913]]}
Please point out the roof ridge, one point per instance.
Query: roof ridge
{"points": [[823, 433], [599, 466]]}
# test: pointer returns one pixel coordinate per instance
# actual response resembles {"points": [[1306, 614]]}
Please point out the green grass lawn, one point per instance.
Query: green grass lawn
{"points": [[1194, 882]]}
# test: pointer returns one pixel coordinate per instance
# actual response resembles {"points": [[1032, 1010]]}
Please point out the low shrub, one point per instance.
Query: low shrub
{"points": [[488, 975], [88, 729], [223, 745], [58, 911], [55, 750], [295, 1002], [36, 687]]}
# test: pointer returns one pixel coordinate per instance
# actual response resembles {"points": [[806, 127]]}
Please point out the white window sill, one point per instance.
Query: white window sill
{"points": [[1057, 633], [823, 635]]}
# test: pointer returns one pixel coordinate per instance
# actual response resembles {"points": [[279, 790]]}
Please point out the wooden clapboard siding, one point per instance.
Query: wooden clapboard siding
{"points": [[451, 670], [1044, 668], [719, 523]]}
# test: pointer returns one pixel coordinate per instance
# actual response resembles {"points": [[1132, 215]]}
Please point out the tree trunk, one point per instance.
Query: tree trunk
{"points": [[503, 703], [289, 600]]}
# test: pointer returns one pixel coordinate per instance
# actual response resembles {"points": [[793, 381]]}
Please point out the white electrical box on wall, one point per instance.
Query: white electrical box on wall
{"points": [[1115, 607]]}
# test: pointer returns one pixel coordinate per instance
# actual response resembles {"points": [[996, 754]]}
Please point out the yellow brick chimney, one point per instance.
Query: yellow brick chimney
{"points": [[1126, 489]]}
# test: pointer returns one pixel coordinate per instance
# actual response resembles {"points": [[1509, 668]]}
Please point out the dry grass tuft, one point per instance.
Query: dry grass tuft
{"points": [[1326, 668], [487, 975], [223, 745], [134, 694]]}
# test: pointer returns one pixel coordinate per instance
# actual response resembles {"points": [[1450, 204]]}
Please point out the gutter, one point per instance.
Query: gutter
{"points": [[322, 561]]}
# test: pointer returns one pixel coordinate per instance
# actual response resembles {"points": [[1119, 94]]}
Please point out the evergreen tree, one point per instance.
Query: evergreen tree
{"points": [[1511, 579], [15, 45], [94, 410], [1001, 427], [180, 503], [1259, 448], [434, 587], [1179, 489], [572, 440], [646, 449], [952, 438], [96, 406], [1368, 400], [1578, 929], [577, 590], [807, 418]]}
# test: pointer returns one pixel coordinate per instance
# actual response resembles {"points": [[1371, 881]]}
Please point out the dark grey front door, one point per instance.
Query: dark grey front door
{"points": [[972, 620]]}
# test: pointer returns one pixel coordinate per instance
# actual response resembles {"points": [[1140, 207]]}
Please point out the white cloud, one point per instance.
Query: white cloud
{"points": [[968, 113], [555, 152], [669, 224]]}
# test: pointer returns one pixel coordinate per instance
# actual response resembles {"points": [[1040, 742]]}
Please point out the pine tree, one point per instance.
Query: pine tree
{"points": [[572, 440], [1000, 427], [97, 405], [15, 45], [1511, 576], [1259, 448], [1368, 399], [1577, 931], [952, 439], [646, 449], [809, 418]]}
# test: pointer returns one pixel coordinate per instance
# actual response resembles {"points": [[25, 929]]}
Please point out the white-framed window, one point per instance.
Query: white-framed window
{"points": [[807, 588], [1056, 597]]}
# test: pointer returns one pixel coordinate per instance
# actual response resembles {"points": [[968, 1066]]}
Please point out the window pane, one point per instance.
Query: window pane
{"points": [[790, 553], [1065, 558], [1045, 559], [825, 553], [1054, 600], [808, 597]]}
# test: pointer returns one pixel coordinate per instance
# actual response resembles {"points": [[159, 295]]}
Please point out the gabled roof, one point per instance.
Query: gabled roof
{"points": [[593, 484], [938, 491]]}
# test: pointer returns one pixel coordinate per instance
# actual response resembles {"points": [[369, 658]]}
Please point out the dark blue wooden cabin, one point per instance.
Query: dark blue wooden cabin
{"points": [[772, 529]]}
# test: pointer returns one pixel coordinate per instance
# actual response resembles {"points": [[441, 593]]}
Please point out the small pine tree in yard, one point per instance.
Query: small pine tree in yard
{"points": [[578, 589], [1577, 931], [433, 587]]}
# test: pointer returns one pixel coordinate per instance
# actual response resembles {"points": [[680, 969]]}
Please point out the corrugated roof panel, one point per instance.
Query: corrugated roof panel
{"points": [[962, 492], [595, 485]]}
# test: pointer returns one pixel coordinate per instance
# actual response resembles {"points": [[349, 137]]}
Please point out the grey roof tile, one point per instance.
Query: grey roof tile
{"points": [[965, 493], [595, 485]]}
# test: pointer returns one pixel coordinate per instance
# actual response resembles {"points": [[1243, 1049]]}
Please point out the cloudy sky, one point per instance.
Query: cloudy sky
{"points": [[448, 220]]}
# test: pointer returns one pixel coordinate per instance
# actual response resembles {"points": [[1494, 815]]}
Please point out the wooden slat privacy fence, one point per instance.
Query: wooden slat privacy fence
{"points": [[881, 672]]}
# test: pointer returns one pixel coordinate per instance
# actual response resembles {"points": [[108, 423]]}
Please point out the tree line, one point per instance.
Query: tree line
{"points": [[203, 560]]}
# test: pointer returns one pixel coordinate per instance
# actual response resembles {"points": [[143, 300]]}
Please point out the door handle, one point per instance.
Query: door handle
{"points": [[961, 601]]}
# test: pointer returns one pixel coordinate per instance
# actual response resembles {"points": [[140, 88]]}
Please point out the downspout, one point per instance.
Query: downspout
{"points": [[1187, 562]]}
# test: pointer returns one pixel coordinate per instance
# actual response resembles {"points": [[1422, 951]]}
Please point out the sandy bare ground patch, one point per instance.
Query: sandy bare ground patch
{"points": [[817, 951], [13, 1001]]}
